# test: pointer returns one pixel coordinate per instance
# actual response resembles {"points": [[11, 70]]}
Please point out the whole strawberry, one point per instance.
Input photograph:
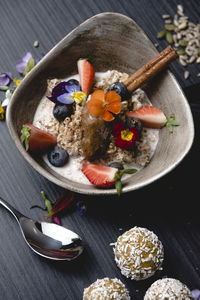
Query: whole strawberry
{"points": [[36, 140]]}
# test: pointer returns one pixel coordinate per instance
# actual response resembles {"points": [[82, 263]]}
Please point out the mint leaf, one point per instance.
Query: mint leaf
{"points": [[118, 176], [25, 134], [129, 171], [171, 122]]}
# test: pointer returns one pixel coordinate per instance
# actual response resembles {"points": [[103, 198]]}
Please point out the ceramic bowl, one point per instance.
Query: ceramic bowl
{"points": [[110, 41]]}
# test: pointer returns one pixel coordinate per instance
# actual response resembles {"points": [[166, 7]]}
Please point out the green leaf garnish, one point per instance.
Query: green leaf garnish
{"points": [[118, 176], [171, 122], [29, 66], [47, 202], [25, 134], [4, 87], [118, 186]]}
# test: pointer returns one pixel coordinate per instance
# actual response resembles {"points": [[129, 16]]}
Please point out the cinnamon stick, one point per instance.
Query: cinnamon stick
{"points": [[150, 69]]}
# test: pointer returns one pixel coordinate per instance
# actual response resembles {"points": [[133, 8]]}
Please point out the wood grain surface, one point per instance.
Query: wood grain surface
{"points": [[169, 207]]}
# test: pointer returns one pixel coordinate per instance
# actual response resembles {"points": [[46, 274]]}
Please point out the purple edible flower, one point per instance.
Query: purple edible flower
{"points": [[196, 294], [81, 208], [21, 64], [5, 78], [66, 92]]}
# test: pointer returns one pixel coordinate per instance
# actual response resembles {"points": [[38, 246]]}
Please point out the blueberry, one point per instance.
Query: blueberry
{"points": [[58, 157], [73, 81], [61, 111], [121, 89], [116, 165]]}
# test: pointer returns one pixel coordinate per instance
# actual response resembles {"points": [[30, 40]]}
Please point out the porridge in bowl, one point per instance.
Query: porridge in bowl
{"points": [[104, 125], [69, 132]]}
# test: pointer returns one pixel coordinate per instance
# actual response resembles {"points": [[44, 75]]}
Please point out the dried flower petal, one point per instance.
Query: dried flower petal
{"points": [[17, 81], [48, 207], [2, 113], [22, 64], [5, 78], [63, 202], [196, 294], [56, 220]]}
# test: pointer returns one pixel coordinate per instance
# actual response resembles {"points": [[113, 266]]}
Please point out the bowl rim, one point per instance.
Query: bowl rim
{"points": [[94, 191]]}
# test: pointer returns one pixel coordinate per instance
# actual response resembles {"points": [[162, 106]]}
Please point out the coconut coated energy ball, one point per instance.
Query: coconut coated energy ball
{"points": [[106, 289], [138, 253], [168, 289]]}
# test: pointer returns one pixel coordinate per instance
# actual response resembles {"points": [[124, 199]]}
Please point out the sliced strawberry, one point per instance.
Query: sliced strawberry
{"points": [[149, 116], [36, 140], [99, 175], [86, 75]]}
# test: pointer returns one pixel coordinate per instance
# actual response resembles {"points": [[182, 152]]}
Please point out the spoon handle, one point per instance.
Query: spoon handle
{"points": [[11, 209]]}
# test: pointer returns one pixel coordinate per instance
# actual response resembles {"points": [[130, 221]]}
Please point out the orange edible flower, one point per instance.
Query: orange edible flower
{"points": [[104, 105]]}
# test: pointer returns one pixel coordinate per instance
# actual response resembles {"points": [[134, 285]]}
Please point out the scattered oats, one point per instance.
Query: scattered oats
{"points": [[112, 244], [168, 21], [182, 25], [198, 60], [180, 8], [165, 16], [36, 44], [186, 74], [192, 59]]}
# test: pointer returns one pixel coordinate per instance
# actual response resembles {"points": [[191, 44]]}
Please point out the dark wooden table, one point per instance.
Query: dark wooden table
{"points": [[169, 207]]}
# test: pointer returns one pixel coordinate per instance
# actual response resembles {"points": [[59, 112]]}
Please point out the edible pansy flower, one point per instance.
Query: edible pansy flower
{"points": [[66, 92], [125, 137], [104, 105], [5, 79], [25, 64]]}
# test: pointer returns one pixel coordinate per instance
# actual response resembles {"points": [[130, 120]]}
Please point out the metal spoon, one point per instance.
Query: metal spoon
{"points": [[47, 239]]}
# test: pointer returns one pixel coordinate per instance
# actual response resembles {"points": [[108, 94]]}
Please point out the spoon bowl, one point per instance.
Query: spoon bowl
{"points": [[47, 239]]}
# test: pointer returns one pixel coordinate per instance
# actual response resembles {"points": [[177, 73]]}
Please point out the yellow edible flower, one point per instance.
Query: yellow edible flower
{"points": [[127, 135], [2, 113], [79, 97], [17, 81]]}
